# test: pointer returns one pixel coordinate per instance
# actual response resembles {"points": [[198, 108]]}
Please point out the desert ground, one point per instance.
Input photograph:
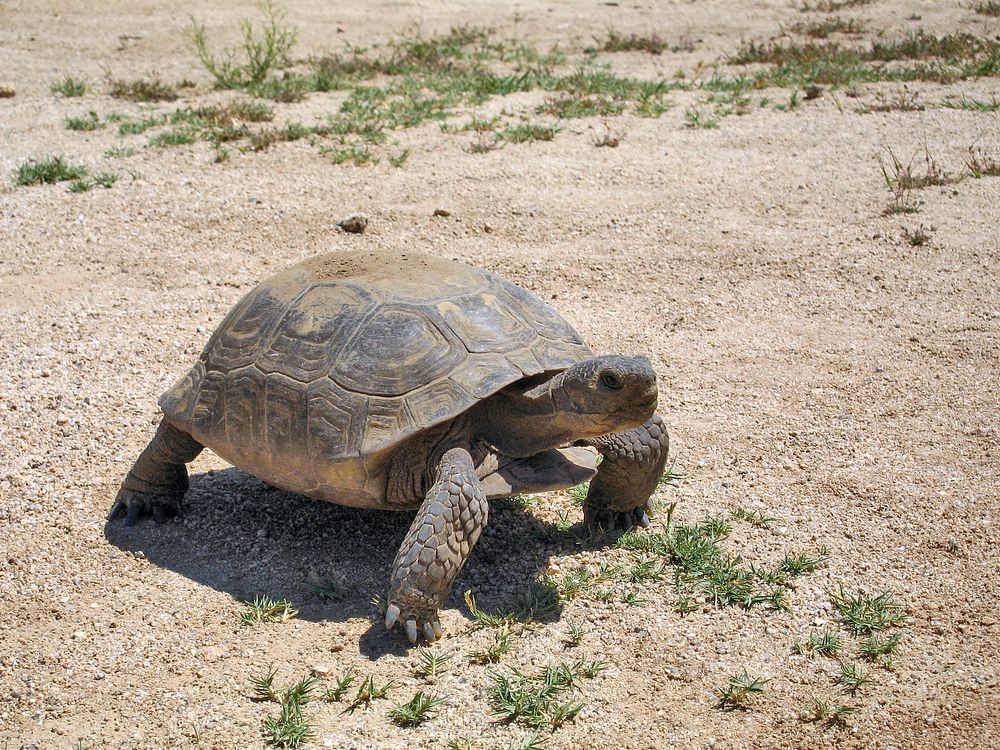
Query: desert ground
{"points": [[810, 261]]}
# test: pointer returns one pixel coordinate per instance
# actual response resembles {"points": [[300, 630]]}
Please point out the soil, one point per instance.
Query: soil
{"points": [[814, 366]]}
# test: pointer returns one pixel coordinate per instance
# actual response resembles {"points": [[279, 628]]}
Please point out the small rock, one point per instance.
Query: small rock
{"points": [[355, 223], [488, 228], [6, 92], [442, 212], [321, 670]]}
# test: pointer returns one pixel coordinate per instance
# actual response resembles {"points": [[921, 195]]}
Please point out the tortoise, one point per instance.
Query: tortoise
{"points": [[405, 381]]}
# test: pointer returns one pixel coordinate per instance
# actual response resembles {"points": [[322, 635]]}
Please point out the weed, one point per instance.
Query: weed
{"points": [[136, 127], [830, 714], [651, 43], [221, 154], [740, 691], [568, 107], [827, 644], [646, 569], [431, 664], [369, 691], [796, 565], [633, 599], [290, 728], [266, 609], [696, 117], [531, 742], [400, 159], [575, 635], [119, 152], [528, 132], [980, 164], [359, 156], [90, 121], [462, 743], [69, 86], [652, 105], [874, 647], [754, 518], [80, 186], [899, 181], [263, 687], [47, 171], [262, 52], [866, 613], [823, 28], [141, 90], [492, 653], [532, 699], [904, 100], [579, 493], [416, 711], [301, 692], [973, 105], [852, 678], [831, 6], [917, 237], [178, 137], [344, 681], [988, 8]]}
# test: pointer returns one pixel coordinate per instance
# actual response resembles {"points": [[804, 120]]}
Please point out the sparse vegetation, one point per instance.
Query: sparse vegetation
{"points": [[740, 691], [342, 684], [988, 8], [90, 121], [754, 517], [916, 237], [142, 90], [119, 152], [431, 664], [696, 117], [69, 86], [980, 164], [867, 613], [176, 137], [828, 713], [416, 711], [826, 27], [825, 644], [492, 653], [266, 609], [47, 171], [534, 699], [852, 678], [651, 43], [875, 647], [369, 691], [262, 51], [528, 132]]}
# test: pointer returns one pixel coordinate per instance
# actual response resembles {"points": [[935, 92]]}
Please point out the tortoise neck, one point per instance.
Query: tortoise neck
{"points": [[528, 417]]}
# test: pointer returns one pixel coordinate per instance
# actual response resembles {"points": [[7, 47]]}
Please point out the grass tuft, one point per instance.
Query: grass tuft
{"points": [[827, 713], [47, 171], [868, 613], [142, 90], [828, 644], [740, 692], [651, 43], [416, 711], [266, 609], [431, 664], [69, 86], [90, 121]]}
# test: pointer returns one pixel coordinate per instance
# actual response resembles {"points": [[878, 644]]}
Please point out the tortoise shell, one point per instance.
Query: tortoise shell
{"points": [[319, 373]]}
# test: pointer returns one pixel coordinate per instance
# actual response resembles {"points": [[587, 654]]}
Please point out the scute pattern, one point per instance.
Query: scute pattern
{"points": [[346, 355]]}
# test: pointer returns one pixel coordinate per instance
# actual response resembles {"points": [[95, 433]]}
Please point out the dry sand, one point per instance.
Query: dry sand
{"points": [[814, 366]]}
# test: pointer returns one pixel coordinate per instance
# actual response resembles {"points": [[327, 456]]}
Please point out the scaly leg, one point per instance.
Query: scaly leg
{"points": [[158, 480], [436, 547], [627, 476]]}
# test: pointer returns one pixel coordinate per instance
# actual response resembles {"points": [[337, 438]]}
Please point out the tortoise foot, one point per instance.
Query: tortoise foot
{"points": [[421, 621], [136, 506], [607, 519]]}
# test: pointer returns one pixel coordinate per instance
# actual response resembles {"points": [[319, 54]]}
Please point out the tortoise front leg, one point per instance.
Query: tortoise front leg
{"points": [[633, 464], [436, 547]]}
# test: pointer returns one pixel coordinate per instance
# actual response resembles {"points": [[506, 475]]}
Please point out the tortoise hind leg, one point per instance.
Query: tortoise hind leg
{"points": [[157, 481]]}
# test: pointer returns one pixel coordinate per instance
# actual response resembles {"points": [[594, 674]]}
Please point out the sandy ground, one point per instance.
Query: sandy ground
{"points": [[814, 366]]}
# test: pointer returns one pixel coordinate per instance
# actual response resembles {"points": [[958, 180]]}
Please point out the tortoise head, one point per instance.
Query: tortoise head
{"points": [[603, 394]]}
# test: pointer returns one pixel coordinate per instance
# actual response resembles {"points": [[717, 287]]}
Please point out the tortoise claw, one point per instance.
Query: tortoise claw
{"points": [[391, 615], [411, 630]]}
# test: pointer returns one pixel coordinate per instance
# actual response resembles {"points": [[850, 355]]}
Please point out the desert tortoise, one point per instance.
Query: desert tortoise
{"points": [[406, 381]]}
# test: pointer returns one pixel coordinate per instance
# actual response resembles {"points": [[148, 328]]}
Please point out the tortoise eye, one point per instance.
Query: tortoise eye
{"points": [[612, 381]]}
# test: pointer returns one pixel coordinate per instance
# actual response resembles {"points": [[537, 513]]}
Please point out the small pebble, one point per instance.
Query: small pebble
{"points": [[354, 224]]}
